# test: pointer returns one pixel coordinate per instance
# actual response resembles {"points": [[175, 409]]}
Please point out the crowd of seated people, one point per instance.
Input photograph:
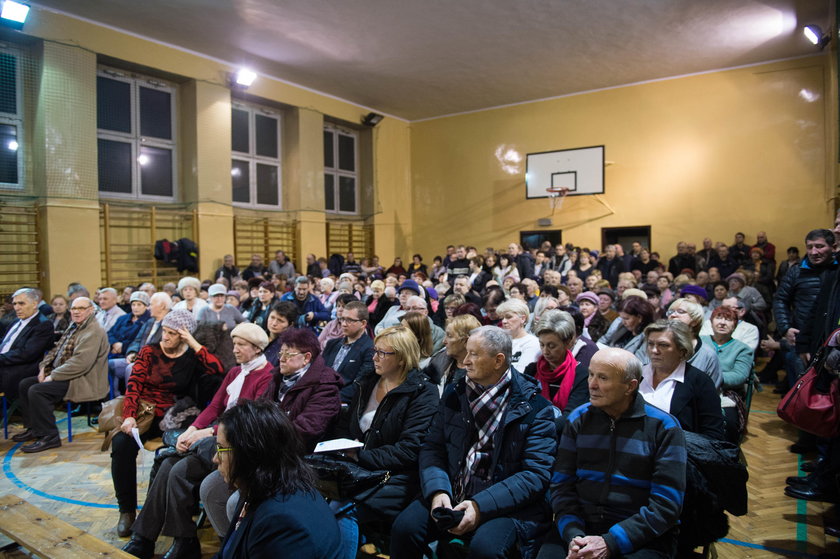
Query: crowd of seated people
{"points": [[542, 346]]}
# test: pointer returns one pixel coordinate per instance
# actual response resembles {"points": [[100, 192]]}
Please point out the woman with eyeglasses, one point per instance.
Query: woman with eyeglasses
{"points": [[704, 358], [171, 496], [306, 390], [390, 413], [280, 514], [162, 373]]}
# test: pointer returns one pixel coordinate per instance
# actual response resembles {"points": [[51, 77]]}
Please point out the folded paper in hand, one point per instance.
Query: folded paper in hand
{"points": [[337, 444]]}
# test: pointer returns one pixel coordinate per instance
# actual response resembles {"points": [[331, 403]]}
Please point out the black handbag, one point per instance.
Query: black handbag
{"points": [[341, 479]]}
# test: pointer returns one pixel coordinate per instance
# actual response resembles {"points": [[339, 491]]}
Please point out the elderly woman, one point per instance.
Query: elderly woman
{"points": [[188, 289], [704, 358], [447, 365], [595, 325], [218, 310], [526, 347], [377, 288], [308, 392], [634, 313], [672, 385], [162, 373], [563, 381], [280, 515], [128, 325], [390, 413], [736, 362], [171, 497]]}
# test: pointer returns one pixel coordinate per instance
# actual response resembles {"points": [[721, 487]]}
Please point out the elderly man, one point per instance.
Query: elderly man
{"points": [[25, 342], [575, 287], [418, 304], [282, 265], [76, 369], [610, 265], [485, 464], [109, 311], [227, 270], [619, 478], [681, 260], [738, 288], [351, 356], [406, 291], [255, 268]]}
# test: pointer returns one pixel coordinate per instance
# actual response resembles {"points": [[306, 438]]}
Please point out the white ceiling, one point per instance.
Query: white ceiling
{"points": [[418, 59]]}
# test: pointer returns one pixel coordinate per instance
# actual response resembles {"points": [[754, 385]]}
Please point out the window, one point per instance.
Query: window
{"points": [[255, 169], [11, 118], [135, 120], [341, 170]]}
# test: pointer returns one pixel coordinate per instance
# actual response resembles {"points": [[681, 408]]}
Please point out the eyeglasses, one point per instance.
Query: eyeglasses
{"points": [[672, 312], [378, 353], [222, 449], [347, 320], [289, 354], [79, 309]]}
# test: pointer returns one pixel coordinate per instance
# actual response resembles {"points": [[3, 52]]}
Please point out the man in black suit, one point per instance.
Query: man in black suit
{"points": [[25, 342], [352, 355]]}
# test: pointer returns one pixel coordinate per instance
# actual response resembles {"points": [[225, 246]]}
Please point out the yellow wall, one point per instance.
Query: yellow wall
{"points": [[701, 155]]}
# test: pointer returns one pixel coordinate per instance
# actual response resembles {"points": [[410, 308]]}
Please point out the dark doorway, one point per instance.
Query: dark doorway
{"points": [[535, 239], [626, 236]]}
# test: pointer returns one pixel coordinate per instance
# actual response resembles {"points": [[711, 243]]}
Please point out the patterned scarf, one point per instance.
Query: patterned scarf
{"points": [[487, 405], [64, 348], [289, 382]]}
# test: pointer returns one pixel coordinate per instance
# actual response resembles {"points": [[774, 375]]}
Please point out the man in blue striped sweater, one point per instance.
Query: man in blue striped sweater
{"points": [[619, 479]]}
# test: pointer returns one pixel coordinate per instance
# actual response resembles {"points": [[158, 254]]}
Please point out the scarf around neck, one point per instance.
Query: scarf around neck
{"points": [[564, 375], [235, 387]]}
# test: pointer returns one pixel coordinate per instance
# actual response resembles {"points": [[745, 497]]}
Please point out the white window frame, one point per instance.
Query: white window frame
{"points": [[338, 173], [135, 139], [16, 119], [253, 159]]}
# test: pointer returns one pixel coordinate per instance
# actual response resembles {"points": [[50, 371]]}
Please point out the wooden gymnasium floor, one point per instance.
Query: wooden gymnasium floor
{"points": [[74, 482]]}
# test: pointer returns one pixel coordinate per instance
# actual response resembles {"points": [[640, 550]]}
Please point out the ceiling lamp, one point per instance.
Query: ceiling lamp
{"points": [[815, 35], [372, 119], [13, 14]]}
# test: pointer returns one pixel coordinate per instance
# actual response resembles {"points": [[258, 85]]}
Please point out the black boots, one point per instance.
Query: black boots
{"points": [[184, 548]]}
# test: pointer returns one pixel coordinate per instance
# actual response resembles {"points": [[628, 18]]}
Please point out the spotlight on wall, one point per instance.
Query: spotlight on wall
{"points": [[372, 119], [13, 14], [243, 78], [815, 35]]}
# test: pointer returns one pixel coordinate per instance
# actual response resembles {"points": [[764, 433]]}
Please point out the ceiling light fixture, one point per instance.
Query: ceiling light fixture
{"points": [[372, 119], [243, 78], [13, 14], [815, 35]]}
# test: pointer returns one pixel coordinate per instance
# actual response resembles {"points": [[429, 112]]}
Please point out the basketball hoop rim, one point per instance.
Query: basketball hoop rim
{"points": [[557, 191]]}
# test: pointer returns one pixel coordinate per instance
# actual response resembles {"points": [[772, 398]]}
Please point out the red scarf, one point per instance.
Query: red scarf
{"points": [[565, 373]]}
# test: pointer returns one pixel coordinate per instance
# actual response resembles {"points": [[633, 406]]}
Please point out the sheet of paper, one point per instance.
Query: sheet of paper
{"points": [[337, 444], [135, 432]]}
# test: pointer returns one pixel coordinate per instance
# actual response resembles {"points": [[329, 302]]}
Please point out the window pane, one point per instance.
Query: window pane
{"points": [[155, 113], [8, 154], [113, 105], [155, 171], [114, 166], [240, 174], [266, 128], [329, 192], [8, 83], [346, 153], [239, 131], [347, 194], [328, 149], [268, 191]]}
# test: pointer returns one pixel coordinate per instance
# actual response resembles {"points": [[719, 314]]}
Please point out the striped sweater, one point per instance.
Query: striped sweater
{"points": [[621, 479]]}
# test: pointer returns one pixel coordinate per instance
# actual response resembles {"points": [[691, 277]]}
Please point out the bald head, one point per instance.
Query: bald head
{"points": [[619, 360], [614, 376]]}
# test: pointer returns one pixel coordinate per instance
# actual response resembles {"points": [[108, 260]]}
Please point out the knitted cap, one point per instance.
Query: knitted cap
{"points": [[251, 333], [189, 282], [695, 290], [141, 296], [176, 320]]}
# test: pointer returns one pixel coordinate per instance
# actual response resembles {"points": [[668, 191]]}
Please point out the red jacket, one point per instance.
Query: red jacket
{"points": [[312, 403], [254, 385]]}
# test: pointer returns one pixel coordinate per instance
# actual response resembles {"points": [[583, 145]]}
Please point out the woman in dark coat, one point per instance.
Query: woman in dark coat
{"points": [[390, 413], [280, 514]]}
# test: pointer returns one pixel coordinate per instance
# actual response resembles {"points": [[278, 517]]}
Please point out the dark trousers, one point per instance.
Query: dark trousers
{"points": [[37, 400], [414, 529], [124, 466], [663, 547], [172, 498]]}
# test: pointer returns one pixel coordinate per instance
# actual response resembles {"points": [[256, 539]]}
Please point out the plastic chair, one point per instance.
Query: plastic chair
{"points": [[70, 406]]}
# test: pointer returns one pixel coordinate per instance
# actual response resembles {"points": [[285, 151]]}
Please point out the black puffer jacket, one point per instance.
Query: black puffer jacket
{"points": [[395, 436], [795, 300]]}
